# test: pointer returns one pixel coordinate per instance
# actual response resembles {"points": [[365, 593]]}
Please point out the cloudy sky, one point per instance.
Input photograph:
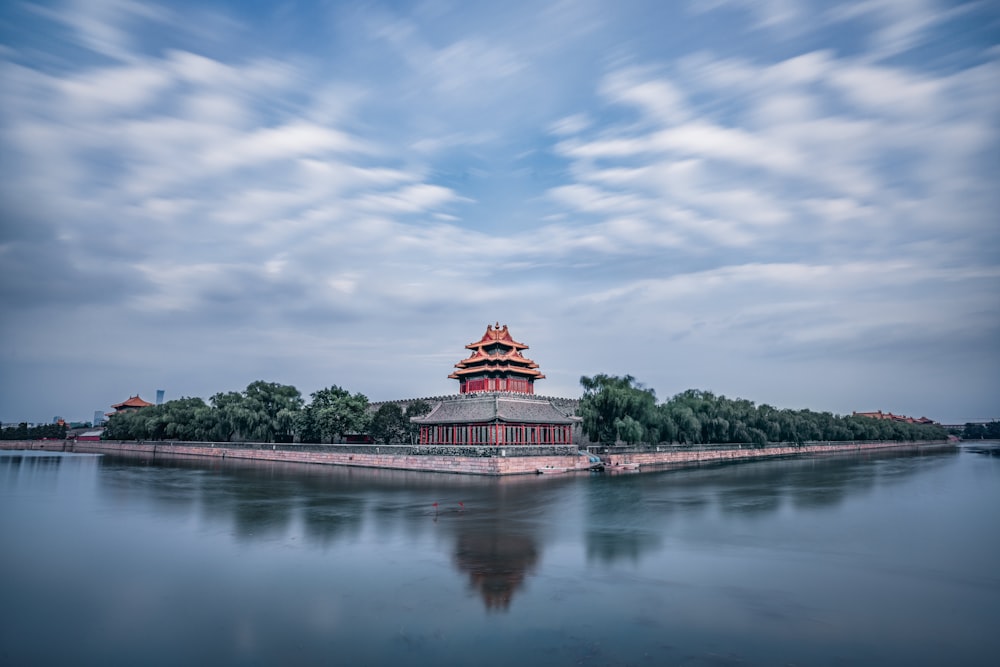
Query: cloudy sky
{"points": [[789, 201]]}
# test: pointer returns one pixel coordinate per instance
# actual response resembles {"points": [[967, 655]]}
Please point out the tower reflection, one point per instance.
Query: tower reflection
{"points": [[496, 562]]}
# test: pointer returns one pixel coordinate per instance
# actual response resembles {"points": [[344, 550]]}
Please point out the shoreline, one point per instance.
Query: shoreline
{"points": [[468, 460]]}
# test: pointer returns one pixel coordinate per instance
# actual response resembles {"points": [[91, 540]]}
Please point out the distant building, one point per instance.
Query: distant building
{"points": [[496, 404], [896, 418], [131, 405]]}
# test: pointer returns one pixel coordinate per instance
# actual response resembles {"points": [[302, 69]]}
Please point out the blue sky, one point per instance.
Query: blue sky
{"points": [[787, 201]]}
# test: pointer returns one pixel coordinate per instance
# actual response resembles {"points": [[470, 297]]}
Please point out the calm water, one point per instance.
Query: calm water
{"points": [[875, 560]]}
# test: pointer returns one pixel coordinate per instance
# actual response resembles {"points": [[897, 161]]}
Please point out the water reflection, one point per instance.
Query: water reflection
{"points": [[496, 562], [36, 470], [623, 514], [629, 517], [618, 516], [986, 449], [818, 561], [492, 523]]}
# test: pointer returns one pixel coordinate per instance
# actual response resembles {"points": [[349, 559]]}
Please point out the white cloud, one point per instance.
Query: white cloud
{"points": [[782, 14], [410, 199], [103, 25], [888, 91], [901, 24], [659, 99], [470, 63], [570, 125], [293, 140], [745, 208], [116, 89]]}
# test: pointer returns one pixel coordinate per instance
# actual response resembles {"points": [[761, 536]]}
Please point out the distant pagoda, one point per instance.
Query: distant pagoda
{"points": [[496, 364], [496, 405], [132, 404]]}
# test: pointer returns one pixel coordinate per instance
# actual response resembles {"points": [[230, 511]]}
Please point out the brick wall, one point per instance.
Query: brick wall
{"points": [[475, 461], [720, 455], [460, 460]]}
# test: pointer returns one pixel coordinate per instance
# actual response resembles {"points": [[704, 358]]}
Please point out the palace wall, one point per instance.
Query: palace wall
{"points": [[726, 454], [513, 460]]}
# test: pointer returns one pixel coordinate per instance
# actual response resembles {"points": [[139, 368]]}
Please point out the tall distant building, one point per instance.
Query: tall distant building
{"points": [[98, 417], [496, 405], [159, 397]]}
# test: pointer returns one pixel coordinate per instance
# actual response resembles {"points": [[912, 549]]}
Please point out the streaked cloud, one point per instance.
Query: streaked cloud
{"points": [[742, 206]]}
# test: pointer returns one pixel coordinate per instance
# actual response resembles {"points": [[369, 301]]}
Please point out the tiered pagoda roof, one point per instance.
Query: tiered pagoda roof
{"points": [[132, 402], [496, 405], [497, 355]]}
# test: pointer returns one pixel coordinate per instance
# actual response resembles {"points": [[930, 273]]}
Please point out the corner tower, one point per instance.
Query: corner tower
{"points": [[496, 364], [496, 406]]}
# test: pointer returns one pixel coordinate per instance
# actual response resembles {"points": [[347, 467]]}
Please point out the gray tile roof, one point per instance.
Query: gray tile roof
{"points": [[490, 407]]}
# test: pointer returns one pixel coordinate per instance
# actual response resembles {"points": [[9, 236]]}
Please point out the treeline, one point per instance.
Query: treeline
{"points": [[24, 432], [987, 431], [619, 409], [267, 412]]}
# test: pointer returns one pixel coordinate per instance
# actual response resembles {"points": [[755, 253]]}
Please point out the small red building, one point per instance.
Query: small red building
{"points": [[496, 404]]}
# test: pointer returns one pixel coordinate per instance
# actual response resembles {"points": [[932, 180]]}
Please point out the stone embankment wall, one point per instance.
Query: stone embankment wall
{"points": [[671, 456], [454, 459], [462, 460]]}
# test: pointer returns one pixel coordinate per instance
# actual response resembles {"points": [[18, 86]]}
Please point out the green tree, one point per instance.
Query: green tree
{"points": [[973, 431], [334, 412], [263, 412], [608, 400], [129, 425], [230, 416], [667, 426], [273, 408], [629, 430], [389, 424]]}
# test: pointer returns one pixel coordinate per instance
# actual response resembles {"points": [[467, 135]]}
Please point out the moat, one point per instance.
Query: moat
{"points": [[881, 558]]}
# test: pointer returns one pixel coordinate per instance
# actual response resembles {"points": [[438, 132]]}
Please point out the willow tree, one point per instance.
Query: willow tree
{"points": [[618, 408]]}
